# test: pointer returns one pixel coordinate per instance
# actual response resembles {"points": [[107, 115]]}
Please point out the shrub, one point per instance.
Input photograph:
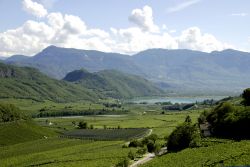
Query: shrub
{"points": [[9, 112], [142, 151], [131, 155], [246, 97], [83, 125], [123, 163], [135, 143]]}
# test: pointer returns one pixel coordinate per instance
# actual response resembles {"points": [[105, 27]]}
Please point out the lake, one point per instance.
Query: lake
{"points": [[176, 99]]}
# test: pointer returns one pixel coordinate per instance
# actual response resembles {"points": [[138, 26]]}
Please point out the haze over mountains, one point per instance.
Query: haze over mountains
{"points": [[179, 71]]}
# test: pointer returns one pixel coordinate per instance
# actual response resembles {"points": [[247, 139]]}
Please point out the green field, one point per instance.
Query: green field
{"points": [[63, 152], [162, 125], [227, 153]]}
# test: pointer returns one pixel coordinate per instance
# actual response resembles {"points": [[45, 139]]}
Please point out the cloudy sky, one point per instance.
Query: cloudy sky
{"points": [[129, 26]]}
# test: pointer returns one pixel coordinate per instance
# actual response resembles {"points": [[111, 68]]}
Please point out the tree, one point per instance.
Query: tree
{"points": [[151, 146], [185, 135], [83, 125], [246, 97]]}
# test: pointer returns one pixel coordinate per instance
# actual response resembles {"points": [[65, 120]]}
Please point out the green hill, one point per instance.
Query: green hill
{"points": [[29, 83], [113, 83], [21, 131]]}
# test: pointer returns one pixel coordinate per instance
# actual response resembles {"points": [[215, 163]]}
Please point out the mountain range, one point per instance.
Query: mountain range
{"points": [[178, 71], [112, 83], [30, 83]]}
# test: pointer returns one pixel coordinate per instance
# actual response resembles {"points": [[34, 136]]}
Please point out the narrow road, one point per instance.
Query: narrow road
{"points": [[148, 157]]}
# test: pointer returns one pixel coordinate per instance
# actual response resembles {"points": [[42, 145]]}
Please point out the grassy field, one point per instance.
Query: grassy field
{"points": [[22, 131], [162, 125], [63, 152], [227, 153]]}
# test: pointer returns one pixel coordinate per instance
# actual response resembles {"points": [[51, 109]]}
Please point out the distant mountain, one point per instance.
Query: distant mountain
{"points": [[2, 58], [190, 71], [57, 62], [29, 83], [16, 58], [113, 83], [179, 71]]}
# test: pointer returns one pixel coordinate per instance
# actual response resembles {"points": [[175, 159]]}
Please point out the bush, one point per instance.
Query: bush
{"points": [[135, 143], [83, 125], [9, 112], [142, 151], [131, 155], [184, 136], [246, 97], [151, 146], [123, 163]]}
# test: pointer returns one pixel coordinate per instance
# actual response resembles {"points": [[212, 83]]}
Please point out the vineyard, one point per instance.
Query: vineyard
{"points": [[107, 134]]}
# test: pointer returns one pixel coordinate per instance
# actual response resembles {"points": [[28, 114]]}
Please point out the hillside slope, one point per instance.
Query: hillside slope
{"points": [[113, 83], [22, 131], [25, 82]]}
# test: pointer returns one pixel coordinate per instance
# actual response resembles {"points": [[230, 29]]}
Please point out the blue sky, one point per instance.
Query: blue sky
{"points": [[123, 26]]}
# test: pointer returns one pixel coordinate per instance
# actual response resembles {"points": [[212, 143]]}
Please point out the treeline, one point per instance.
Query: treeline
{"points": [[9, 113], [79, 113], [229, 120]]}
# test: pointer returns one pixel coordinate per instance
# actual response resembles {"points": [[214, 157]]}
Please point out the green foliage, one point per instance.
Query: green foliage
{"points": [[229, 121], [135, 143], [29, 83], [141, 151], [113, 83], [9, 112], [123, 163], [131, 155], [83, 125], [184, 136], [219, 154], [246, 97]]}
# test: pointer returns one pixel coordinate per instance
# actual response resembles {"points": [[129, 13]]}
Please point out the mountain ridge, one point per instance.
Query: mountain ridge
{"points": [[181, 71]]}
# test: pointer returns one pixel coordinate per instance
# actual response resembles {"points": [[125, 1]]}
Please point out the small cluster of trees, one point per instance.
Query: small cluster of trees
{"points": [[112, 105], [9, 112], [178, 107], [45, 113], [228, 120], [184, 136], [149, 142]]}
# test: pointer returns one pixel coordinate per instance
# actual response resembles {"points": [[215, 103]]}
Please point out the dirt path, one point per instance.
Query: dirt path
{"points": [[148, 157], [145, 159]]}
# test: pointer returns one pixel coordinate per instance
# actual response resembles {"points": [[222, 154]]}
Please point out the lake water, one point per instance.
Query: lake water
{"points": [[176, 99]]}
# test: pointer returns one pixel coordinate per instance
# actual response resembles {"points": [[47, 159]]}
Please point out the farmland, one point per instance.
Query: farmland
{"points": [[107, 134], [63, 152], [224, 153]]}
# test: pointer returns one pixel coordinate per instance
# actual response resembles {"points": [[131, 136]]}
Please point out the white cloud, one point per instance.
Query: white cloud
{"points": [[65, 30], [34, 8], [192, 38], [183, 5], [143, 18], [239, 14]]}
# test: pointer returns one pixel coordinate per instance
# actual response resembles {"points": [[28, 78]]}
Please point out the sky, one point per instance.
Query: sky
{"points": [[124, 26]]}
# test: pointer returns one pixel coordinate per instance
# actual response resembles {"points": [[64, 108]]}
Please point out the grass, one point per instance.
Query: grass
{"points": [[64, 152], [228, 153], [22, 131], [162, 125], [107, 134]]}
